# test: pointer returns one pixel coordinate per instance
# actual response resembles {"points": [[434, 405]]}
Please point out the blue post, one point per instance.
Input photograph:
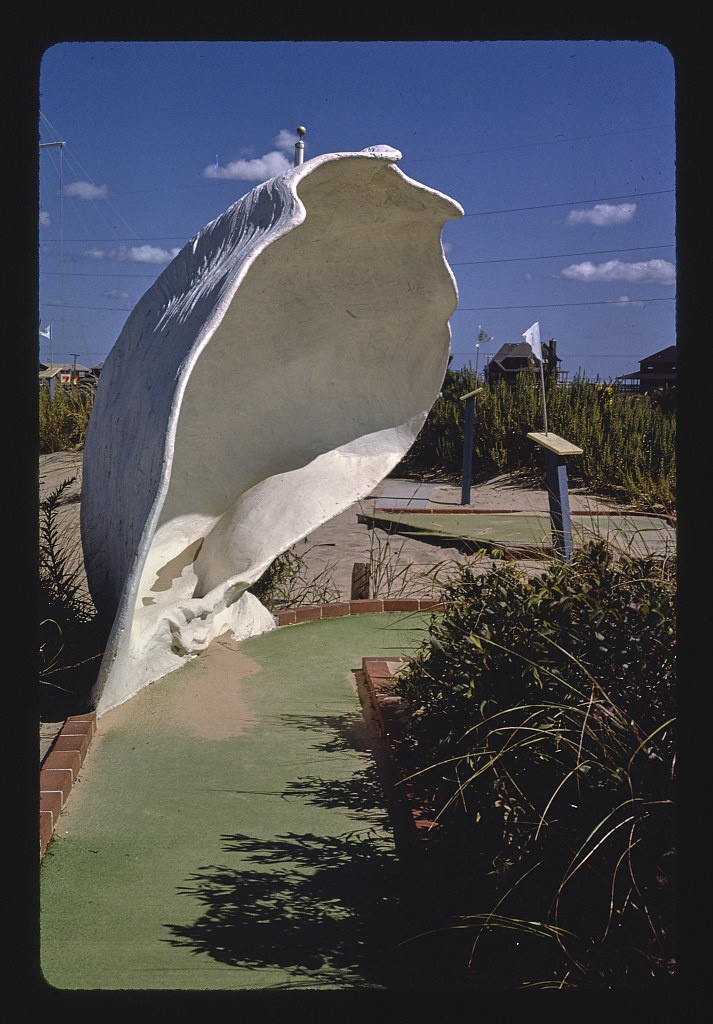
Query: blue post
{"points": [[556, 477], [468, 430]]}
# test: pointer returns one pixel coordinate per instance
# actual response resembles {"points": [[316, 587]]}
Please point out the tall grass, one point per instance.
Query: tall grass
{"points": [[288, 582], [63, 417], [628, 442]]}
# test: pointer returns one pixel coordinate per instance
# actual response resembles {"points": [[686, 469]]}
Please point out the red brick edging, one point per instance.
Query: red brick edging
{"points": [[60, 769], [392, 721], [377, 604]]}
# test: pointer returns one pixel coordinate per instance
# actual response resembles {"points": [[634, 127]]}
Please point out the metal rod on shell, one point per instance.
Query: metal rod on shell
{"points": [[300, 146]]}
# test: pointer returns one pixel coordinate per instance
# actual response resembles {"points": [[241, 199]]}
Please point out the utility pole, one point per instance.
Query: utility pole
{"points": [[47, 145], [75, 356], [469, 426]]}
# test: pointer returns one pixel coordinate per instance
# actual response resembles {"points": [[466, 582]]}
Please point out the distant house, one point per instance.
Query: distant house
{"points": [[655, 372], [64, 373], [512, 359], [49, 372]]}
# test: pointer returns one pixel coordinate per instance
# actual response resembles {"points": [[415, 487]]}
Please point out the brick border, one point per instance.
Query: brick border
{"points": [[391, 714], [60, 767], [307, 613]]}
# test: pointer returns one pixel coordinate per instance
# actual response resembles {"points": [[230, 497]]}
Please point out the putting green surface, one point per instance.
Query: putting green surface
{"points": [[228, 829], [522, 529]]}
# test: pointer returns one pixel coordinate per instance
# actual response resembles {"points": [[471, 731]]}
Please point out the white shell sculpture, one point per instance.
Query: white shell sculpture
{"points": [[278, 369]]}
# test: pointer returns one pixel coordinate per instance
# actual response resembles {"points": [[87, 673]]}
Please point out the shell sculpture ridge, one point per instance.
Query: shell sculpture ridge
{"points": [[277, 370]]}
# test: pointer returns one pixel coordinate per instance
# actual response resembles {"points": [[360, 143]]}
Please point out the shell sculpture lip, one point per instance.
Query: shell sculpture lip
{"points": [[278, 369]]}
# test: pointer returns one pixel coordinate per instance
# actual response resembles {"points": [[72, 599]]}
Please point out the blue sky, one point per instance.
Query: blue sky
{"points": [[562, 154]]}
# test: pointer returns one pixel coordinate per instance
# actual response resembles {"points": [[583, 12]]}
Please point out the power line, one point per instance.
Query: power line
{"points": [[460, 263], [482, 213], [590, 355], [571, 202], [460, 309], [545, 142], [182, 239], [86, 174], [564, 255], [124, 238], [557, 305], [115, 276], [96, 309]]}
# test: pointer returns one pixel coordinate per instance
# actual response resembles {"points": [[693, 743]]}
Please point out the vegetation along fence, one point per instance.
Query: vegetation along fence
{"points": [[628, 441]]}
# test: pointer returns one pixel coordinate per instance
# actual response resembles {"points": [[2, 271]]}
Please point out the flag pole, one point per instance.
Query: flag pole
{"points": [[532, 338], [47, 334], [544, 400]]}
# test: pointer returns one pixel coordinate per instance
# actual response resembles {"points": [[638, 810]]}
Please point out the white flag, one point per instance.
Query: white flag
{"points": [[47, 333], [532, 338], [483, 338]]}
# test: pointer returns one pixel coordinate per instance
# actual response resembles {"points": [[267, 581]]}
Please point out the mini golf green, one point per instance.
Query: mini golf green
{"points": [[522, 530]]}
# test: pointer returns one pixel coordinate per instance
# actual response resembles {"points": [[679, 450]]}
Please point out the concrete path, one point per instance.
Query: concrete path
{"points": [[404, 494]]}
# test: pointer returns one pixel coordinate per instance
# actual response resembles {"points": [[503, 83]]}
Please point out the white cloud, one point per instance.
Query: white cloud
{"points": [[624, 300], [45, 219], [602, 215], [116, 293], [258, 168], [133, 254], [147, 254], [645, 272], [85, 190], [285, 140]]}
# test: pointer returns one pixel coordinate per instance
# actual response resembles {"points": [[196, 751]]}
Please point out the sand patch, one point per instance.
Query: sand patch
{"points": [[205, 697], [210, 700]]}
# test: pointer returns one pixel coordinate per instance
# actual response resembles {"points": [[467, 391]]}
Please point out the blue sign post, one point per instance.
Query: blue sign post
{"points": [[468, 433], [556, 477]]}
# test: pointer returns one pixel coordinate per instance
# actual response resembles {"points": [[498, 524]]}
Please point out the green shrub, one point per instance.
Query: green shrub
{"points": [[542, 717], [70, 635]]}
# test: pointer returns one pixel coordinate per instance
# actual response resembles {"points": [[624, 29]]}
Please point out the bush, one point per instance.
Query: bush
{"points": [[628, 441], [71, 637], [542, 717]]}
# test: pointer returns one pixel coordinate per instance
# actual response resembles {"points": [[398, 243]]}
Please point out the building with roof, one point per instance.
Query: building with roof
{"points": [[64, 373], [512, 359], [655, 372]]}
